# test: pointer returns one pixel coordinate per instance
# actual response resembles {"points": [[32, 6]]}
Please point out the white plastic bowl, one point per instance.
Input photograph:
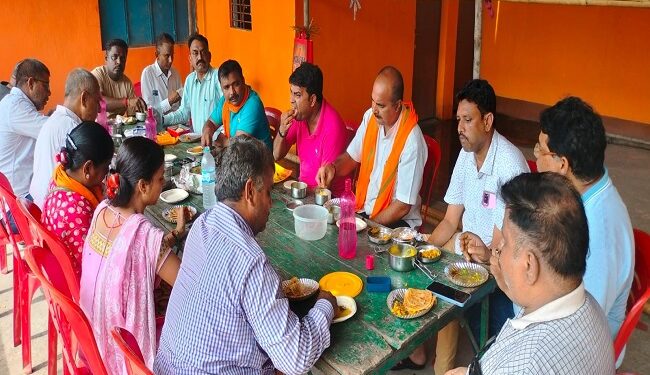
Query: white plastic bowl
{"points": [[310, 222]]}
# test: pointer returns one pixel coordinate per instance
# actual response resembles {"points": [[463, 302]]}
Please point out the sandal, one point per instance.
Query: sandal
{"points": [[407, 363]]}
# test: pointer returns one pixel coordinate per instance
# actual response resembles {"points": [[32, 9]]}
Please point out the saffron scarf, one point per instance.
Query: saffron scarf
{"points": [[229, 108], [408, 121], [62, 180]]}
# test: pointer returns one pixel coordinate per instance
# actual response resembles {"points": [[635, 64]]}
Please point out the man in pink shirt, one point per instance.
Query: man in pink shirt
{"points": [[314, 125]]}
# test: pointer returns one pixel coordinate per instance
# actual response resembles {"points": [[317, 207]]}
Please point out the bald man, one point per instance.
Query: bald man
{"points": [[81, 103], [388, 140]]}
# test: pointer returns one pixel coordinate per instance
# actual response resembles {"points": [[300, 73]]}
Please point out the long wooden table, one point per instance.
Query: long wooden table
{"points": [[373, 340]]}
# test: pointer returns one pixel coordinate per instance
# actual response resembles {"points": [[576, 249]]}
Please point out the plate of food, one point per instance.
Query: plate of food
{"points": [[170, 158], [169, 214], [173, 195], [410, 303], [189, 137], [281, 173], [429, 253], [297, 289], [196, 150], [347, 307], [361, 225], [466, 274], [379, 235], [403, 234]]}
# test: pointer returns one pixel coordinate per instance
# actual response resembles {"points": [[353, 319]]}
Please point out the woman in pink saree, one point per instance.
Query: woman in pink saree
{"points": [[124, 252]]}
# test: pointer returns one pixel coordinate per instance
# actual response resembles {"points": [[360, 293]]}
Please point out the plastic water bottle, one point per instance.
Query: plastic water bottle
{"points": [[208, 179], [102, 116], [348, 224], [155, 104], [150, 125]]}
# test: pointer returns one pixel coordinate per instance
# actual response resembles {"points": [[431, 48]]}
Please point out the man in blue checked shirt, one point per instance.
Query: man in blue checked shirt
{"points": [[226, 314]]}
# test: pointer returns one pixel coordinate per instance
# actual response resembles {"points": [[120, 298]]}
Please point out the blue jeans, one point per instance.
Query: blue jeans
{"points": [[12, 222]]}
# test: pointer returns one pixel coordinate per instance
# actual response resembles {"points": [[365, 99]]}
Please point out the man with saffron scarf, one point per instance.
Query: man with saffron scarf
{"points": [[390, 149], [238, 111]]}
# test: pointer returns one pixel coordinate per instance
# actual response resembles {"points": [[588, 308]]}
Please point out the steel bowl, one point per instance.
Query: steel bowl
{"points": [[379, 235], [322, 195], [334, 214], [402, 257], [404, 235], [428, 247], [299, 190]]}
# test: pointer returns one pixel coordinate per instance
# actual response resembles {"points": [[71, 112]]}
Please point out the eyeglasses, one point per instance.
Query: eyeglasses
{"points": [[474, 367], [46, 83], [537, 151]]}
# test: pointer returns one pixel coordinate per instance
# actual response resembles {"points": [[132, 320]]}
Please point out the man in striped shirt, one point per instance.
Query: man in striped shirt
{"points": [[539, 264], [227, 313]]}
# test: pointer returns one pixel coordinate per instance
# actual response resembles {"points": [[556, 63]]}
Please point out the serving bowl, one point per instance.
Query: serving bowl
{"points": [[401, 257], [310, 222], [298, 189]]}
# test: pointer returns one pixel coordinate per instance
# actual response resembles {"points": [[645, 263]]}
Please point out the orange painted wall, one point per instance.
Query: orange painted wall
{"points": [[264, 53], [64, 37], [541, 53], [350, 52]]}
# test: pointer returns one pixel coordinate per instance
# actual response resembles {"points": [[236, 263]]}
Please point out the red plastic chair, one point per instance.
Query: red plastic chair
{"points": [[640, 292], [6, 236], [430, 173], [69, 319], [532, 165], [45, 238], [24, 282], [137, 87], [273, 115], [132, 355]]}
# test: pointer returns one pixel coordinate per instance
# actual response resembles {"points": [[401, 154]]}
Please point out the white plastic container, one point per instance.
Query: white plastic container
{"points": [[310, 222]]}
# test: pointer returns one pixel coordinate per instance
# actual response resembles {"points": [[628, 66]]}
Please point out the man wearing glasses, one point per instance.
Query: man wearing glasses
{"points": [[21, 122], [540, 263], [572, 143]]}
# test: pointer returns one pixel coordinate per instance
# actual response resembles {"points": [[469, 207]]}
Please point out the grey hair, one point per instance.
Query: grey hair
{"points": [[78, 81], [244, 158]]}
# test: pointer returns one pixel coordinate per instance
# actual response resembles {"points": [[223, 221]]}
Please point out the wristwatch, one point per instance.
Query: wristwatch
{"points": [[280, 133]]}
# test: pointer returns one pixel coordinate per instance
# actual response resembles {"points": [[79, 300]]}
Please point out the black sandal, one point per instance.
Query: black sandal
{"points": [[407, 363]]}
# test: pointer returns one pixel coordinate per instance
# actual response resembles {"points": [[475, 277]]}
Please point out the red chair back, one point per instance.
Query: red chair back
{"points": [[132, 355], [430, 173], [69, 319], [273, 115], [640, 292], [137, 88], [532, 165], [49, 240]]}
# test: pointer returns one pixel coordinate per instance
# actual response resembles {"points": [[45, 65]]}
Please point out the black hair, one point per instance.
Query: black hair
{"points": [[548, 211], [200, 38], [398, 81], [139, 158], [245, 157], [481, 93], [116, 43], [29, 68], [576, 132], [87, 141], [310, 77], [164, 38], [230, 66]]}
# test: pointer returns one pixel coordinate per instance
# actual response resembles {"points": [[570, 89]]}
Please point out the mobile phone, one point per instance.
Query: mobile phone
{"points": [[449, 294]]}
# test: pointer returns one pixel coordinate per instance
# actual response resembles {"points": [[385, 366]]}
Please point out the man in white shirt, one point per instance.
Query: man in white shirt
{"points": [[81, 103], [388, 138], [539, 263], [202, 88], [21, 121], [162, 78]]}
